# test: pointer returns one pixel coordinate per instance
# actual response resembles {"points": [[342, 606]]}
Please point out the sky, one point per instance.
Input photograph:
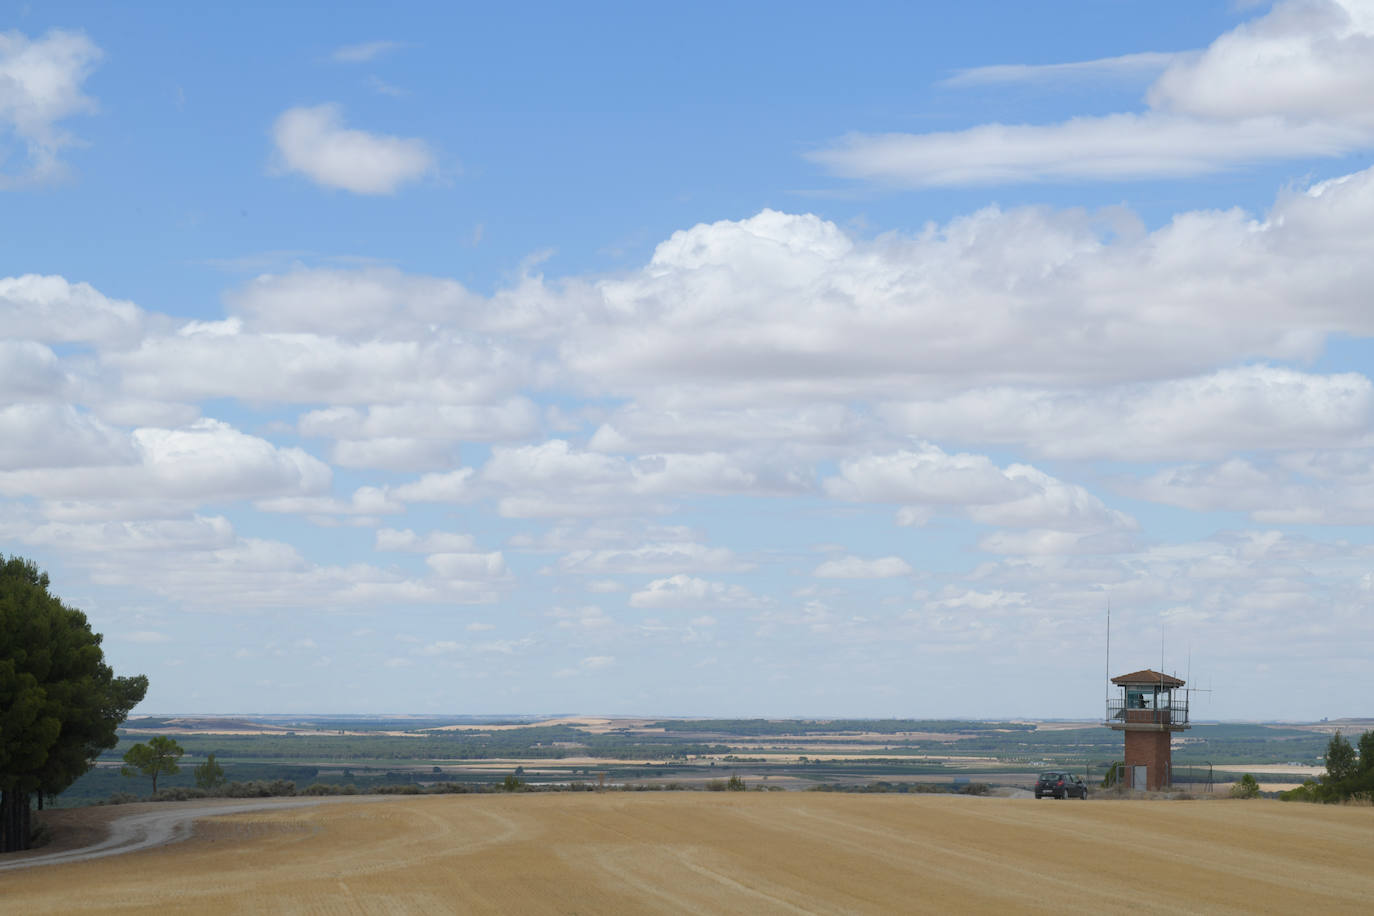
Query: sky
{"points": [[800, 359]]}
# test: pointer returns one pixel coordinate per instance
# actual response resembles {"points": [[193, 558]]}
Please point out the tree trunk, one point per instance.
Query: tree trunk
{"points": [[14, 820]]}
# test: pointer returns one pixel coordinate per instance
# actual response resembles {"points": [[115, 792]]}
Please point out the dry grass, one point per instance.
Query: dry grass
{"points": [[736, 852]]}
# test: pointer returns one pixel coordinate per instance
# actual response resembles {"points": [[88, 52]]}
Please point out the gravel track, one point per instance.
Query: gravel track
{"points": [[170, 822]]}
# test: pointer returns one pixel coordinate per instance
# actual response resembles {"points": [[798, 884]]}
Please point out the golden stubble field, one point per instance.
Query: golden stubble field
{"points": [[736, 852]]}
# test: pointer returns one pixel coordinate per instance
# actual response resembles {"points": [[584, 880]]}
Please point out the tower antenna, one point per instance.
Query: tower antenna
{"points": [[1108, 687]]}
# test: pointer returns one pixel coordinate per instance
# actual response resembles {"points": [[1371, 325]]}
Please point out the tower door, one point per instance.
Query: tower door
{"points": [[1140, 777]]}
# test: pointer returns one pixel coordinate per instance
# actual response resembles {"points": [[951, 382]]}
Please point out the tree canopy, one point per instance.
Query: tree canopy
{"points": [[1347, 775], [158, 756], [60, 704]]}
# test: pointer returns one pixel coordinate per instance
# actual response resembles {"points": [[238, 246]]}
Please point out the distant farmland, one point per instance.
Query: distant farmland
{"points": [[376, 752], [750, 852]]}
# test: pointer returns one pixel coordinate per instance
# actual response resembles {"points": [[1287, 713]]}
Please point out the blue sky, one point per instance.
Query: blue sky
{"points": [[791, 360]]}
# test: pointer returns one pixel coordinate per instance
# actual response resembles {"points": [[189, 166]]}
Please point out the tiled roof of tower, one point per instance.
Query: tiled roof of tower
{"points": [[1147, 676]]}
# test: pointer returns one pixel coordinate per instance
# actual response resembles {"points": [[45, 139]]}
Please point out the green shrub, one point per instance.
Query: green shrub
{"points": [[1246, 788], [735, 784], [119, 798]]}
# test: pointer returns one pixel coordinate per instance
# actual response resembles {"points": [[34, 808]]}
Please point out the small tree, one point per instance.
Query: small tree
{"points": [[209, 774], [1340, 759], [735, 784], [158, 756], [1365, 768], [1246, 788]]}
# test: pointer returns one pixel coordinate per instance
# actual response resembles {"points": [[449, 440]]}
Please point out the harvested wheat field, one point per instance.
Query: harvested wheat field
{"points": [[735, 852]]}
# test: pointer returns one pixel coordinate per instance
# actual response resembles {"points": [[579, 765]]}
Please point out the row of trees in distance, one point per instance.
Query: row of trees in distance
{"points": [[1348, 774]]}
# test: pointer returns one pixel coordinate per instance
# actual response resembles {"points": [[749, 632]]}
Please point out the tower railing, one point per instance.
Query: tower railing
{"points": [[1173, 715]]}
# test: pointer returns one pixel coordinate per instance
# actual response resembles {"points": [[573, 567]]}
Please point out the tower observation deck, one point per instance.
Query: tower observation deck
{"points": [[1150, 707]]}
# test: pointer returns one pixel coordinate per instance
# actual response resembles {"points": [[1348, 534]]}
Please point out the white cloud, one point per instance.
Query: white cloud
{"points": [[392, 453], [365, 51], [205, 460], [683, 591], [367, 301], [315, 143], [781, 310], [652, 558], [440, 647], [851, 567], [29, 370], [1251, 407], [590, 617], [390, 539], [1119, 146], [199, 533], [39, 436], [513, 418], [555, 480], [1125, 66], [1301, 488], [41, 85], [468, 566], [448, 487], [928, 480], [1291, 84], [51, 309], [365, 501], [1306, 59], [226, 361], [604, 586]]}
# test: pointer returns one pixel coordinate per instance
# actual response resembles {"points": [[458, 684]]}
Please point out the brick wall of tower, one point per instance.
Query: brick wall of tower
{"points": [[1150, 749]]}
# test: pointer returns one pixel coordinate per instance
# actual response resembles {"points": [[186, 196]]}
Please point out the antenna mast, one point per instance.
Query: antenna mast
{"points": [[1107, 696]]}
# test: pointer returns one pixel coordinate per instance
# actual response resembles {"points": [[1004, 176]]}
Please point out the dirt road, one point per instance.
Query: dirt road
{"points": [[750, 852], [147, 826]]}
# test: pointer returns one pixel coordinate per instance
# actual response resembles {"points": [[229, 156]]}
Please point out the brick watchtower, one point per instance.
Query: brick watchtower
{"points": [[1148, 711]]}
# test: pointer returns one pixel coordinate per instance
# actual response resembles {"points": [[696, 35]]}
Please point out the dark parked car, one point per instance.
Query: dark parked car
{"points": [[1060, 785]]}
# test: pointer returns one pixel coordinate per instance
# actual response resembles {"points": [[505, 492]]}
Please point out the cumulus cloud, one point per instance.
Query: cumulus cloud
{"points": [[40, 86], [207, 460], [48, 435], [553, 479], [653, 558], [391, 539], [851, 567], [365, 502], [1333, 487], [511, 418], [683, 591], [1290, 84], [53, 310], [224, 360], [783, 309], [1251, 407], [929, 480], [446, 487], [315, 143], [469, 566], [368, 301], [198, 533]]}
